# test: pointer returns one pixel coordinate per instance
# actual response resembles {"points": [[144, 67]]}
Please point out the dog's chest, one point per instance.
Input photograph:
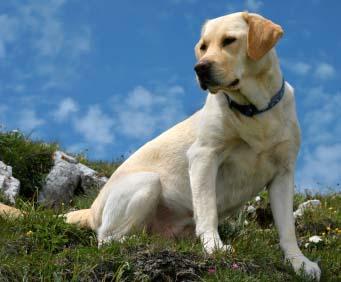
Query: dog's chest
{"points": [[241, 176]]}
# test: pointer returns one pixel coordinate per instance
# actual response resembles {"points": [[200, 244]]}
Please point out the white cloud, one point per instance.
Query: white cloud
{"points": [[137, 116], [29, 121], [53, 51], [142, 112], [321, 147], [300, 68], [321, 70], [77, 148], [45, 28], [66, 107], [8, 31], [80, 43], [51, 40], [321, 120], [324, 71], [95, 126], [253, 5], [296, 67], [321, 166]]}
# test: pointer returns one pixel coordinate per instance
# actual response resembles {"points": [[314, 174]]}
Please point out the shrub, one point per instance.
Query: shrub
{"points": [[30, 160]]}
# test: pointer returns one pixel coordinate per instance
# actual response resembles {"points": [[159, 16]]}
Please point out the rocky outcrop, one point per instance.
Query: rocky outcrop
{"points": [[65, 178], [90, 179], [9, 185]]}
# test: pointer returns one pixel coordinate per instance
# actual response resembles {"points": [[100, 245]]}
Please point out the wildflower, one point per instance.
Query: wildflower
{"points": [[235, 266], [211, 270], [328, 228], [251, 209], [315, 239], [29, 233], [257, 199], [246, 223], [331, 208], [323, 233], [306, 245]]}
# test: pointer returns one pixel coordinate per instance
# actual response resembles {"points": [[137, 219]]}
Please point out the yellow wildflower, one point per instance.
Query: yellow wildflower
{"points": [[29, 233]]}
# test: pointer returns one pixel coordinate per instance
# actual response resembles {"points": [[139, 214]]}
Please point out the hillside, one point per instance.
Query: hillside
{"points": [[41, 247]]}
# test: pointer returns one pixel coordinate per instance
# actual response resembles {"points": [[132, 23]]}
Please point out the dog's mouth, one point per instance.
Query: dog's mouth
{"points": [[215, 87], [233, 84]]}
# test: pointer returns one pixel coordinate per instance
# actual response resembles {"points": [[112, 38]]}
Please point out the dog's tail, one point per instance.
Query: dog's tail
{"points": [[82, 218], [7, 211]]}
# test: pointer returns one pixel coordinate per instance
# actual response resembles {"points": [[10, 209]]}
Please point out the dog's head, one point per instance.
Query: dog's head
{"points": [[232, 47]]}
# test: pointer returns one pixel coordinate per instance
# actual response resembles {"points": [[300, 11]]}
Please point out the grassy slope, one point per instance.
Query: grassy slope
{"points": [[40, 246]]}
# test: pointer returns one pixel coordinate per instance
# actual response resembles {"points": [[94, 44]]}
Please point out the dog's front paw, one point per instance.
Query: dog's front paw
{"points": [[301, 262], [212, 243]]}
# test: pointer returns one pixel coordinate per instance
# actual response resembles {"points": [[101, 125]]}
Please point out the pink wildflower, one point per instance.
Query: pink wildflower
{"points": [[211, 270]]}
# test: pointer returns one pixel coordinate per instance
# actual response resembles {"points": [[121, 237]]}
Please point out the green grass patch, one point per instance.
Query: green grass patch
{"points": [[42, 247], [30, 160]]}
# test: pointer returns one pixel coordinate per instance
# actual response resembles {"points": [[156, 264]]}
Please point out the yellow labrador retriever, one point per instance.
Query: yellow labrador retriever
{"points": [[246, 137]]}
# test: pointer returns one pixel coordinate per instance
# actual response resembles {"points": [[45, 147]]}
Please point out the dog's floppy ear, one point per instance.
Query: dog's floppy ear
{"points": [[263, 35]]}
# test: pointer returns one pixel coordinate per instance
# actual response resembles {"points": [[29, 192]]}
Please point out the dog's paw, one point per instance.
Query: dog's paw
{"points": [[310, 268], [212, 243]]}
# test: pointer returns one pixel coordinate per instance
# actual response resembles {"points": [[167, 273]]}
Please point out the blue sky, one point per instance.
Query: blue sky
{"points": [[103, 77]]}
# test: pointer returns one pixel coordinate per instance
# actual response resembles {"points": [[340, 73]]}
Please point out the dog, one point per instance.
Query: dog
{"points": [[245, 138]]}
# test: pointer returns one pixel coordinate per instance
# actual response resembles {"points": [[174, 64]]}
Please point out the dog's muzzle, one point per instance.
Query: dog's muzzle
{"points": [[203, 70]]}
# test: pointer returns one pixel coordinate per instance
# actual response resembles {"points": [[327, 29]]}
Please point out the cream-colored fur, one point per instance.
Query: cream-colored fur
{"points": [[206, 167], [7, 211]]}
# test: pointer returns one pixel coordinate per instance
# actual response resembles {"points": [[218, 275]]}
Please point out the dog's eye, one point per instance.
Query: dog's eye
{"points": [[228, 40], [203, 47]]}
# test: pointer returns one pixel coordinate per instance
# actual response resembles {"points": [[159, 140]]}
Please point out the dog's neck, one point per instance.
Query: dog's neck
{"points": [[259, 89]]}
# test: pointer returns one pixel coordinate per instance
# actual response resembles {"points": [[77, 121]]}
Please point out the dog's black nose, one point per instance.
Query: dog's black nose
{"points": [[203, 69]]}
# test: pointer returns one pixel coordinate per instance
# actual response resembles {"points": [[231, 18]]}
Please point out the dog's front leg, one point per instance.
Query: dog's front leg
{"points": [[281, 198], [203, 167]]}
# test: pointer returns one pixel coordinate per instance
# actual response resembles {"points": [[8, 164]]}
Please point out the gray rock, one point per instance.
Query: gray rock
{"points": [[62, 181], [90, 179], [67, 176], [8, 184], [59, 155], [308, 204]]}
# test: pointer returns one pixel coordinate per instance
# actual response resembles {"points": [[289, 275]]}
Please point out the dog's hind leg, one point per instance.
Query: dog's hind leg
{"points": [[130, 205]]}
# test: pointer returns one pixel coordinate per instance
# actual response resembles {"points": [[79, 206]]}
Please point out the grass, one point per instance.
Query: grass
{"points": [[41, 247], [30, 160]]}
